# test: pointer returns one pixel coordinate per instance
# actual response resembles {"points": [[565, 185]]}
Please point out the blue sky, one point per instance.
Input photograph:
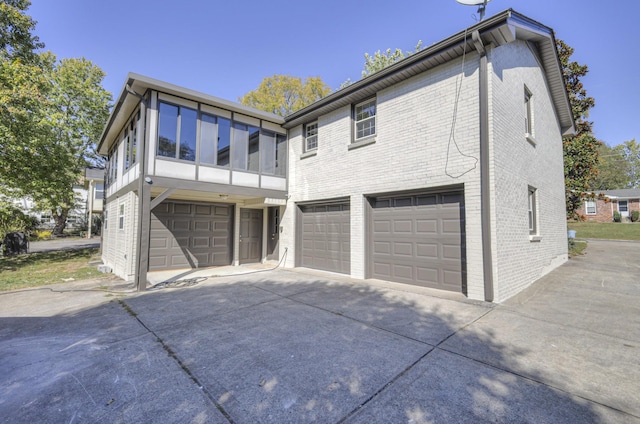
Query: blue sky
{"points": [[225, 48]]}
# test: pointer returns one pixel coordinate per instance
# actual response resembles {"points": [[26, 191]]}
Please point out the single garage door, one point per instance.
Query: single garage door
{"points": [[190, 235], [418, 239], [326, 237]]}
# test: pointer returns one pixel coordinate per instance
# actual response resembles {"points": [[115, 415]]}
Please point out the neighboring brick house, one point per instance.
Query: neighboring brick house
{"points": [[444, 170], [601, 207]]}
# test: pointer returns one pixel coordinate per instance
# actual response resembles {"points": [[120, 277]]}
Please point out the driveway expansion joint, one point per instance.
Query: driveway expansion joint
{"points": [[180, 363]]}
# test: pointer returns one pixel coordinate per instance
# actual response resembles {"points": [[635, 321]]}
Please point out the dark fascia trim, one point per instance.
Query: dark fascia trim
{"points": [[363, 88]]}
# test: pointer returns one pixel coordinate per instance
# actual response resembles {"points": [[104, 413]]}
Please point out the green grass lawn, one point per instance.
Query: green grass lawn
{"points": [[39, 269], [606, 230]]}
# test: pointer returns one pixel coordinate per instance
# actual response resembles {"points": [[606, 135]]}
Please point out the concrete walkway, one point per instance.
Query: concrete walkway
{"points": [[294, 346]]}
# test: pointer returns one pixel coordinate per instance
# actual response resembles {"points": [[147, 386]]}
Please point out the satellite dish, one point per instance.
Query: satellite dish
{"points": [[482, 4]]}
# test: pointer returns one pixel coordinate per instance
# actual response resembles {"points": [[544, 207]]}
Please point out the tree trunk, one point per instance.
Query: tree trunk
{"points": [[60, 221]]}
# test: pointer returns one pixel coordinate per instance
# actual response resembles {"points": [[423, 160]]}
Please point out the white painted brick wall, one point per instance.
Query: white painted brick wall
{"points": [[516, 165], [120, 244], [413, 126]]}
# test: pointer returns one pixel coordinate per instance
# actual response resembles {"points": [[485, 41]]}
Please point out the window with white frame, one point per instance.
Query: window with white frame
{"points": [[623, 206], [590, 207], [533, 226], [365, 119], [121, 218], [99, 191], [311, 136], [528, 117]]}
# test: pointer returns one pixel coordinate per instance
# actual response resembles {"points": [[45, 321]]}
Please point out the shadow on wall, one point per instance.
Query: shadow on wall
{"points": [[291, 350]]}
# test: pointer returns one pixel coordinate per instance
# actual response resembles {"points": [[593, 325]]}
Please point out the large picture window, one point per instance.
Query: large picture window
{"points": [[177, 132], [245, 147], [365, 119]]}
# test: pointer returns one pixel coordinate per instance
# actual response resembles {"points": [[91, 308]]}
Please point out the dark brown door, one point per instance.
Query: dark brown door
{"points": [[250, 235], [273, 233]]}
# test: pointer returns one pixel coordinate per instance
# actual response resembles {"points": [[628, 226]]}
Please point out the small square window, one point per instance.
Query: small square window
{"points": [[311, 136], [365, 119]]}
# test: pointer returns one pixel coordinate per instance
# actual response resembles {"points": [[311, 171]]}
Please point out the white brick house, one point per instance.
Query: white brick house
{"points": [[443, 170]]}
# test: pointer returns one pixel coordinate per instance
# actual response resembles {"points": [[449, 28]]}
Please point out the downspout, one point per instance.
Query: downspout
{"points": [[485, 183]]}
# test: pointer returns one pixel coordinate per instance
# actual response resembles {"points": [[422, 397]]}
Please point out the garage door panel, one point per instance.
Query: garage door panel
{"points": [[402, 249], [451, 252], [325, 237], [415, 239], [451, 226], [427, 250], [426, 276], [403, 226]]}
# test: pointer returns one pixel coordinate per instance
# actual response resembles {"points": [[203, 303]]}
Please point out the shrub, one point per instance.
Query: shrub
{"points": [[39, 235], [13, 219], [617, 217], [635, 216]]}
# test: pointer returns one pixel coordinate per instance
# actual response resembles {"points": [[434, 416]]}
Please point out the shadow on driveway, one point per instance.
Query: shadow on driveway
{"points": [[281, 346]]}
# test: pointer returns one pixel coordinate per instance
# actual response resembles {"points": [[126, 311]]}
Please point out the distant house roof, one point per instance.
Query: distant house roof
{"points": [[625, 193]]}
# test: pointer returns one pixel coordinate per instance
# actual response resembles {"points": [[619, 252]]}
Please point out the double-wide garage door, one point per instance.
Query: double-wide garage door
{"points": [[190, 235], [418, 239], [325, 237]]}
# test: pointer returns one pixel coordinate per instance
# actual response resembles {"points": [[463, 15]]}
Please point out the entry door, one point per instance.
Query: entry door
{"points": [[250, 235], [273, 232], [623, 208]]}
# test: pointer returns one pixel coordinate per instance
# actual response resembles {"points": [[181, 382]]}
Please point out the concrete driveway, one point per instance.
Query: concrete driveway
{"points": [[287, 346]]}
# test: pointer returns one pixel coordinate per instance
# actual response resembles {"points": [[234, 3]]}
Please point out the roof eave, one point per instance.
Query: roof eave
{"points": [[499, 29], [141, 84]]}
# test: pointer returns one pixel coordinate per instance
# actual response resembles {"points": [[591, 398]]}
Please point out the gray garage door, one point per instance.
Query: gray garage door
{"points": [[418, 239], [326, 237], [188, 235]]}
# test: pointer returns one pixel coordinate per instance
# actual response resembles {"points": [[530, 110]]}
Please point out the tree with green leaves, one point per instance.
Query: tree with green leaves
{"points": [[381, 60], [613, 169], [630, 150], [51, 114], [284, 94], [580, 150]]}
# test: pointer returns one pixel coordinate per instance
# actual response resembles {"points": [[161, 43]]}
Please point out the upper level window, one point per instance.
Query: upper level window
{"points": [[177, 132], [273, 156], [528, 117], [215, 136], [311, 136], [365, 117], [590, 207], [245, 147]]}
